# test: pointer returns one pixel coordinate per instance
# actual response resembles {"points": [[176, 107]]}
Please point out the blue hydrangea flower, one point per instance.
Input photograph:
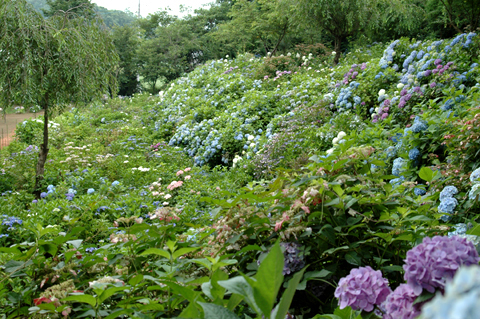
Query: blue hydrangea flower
{"points": [[418, 125], [414, 154], [461, 298], [448, 192], [472, 194], [419, 191], [475, 176], [399, 165], [448, 205]]}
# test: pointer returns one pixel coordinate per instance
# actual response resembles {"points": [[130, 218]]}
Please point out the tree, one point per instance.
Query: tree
{"points": [[461, 14], [52, 62], [259, 25], [74, 7], [341, 19], [126, 39], [166, 54]]}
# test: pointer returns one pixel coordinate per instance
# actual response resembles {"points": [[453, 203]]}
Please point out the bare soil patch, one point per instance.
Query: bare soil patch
{"points": [[9, 123]]}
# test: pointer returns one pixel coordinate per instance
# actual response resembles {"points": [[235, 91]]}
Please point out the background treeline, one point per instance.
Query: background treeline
{"points": [[161, 47]]}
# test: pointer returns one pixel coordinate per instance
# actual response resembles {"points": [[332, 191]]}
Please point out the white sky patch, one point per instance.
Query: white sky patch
{"points": [[151, 6]]}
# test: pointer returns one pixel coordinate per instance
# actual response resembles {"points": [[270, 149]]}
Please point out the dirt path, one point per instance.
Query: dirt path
{"points": [[9, 123]]}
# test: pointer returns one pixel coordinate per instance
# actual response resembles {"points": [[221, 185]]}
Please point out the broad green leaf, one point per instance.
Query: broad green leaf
{"points": [[424, 297], [426, 173], [282, 308], [109, 292], [213, 311], [190, 312], [204, 262], [75, 243], [83, 298], [234, 301], [474, 231], [269, 279], [183, 251], [135, 280], [240, 286], [116, 314], [156, 251]]}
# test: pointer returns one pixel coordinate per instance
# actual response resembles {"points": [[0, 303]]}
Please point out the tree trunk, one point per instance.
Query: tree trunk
{"points": [[338, 46], [42, 156]]}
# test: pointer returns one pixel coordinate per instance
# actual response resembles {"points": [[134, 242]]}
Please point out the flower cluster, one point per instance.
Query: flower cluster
{"points": [[461, 299], [294, 259], [10, 222], [165, 214], [399, 304], [430, 264], [447, 201], [362, 289]]}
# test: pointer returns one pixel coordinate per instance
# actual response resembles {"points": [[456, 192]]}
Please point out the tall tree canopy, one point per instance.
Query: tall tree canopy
{"points": [[52, 62], [78, 7]]}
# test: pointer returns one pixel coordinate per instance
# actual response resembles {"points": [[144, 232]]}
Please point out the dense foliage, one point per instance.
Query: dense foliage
{"points": [[210, 199]]}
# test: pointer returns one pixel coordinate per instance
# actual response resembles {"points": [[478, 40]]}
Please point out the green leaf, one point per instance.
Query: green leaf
{"points": [[83, 298], [282, 308], [156, 251], [234, 301], [353, 258], [204, 262], [108, 293], [75, 243], [190, 312], [240, 286], [269, 279], [116, 314], [183, 251], [424, 297], [474, 231], [135, 280], [213, 311], [426, 173], [334, 201]]}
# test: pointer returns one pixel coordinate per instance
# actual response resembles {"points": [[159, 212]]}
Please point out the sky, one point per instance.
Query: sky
{"points": [[151, 6]]}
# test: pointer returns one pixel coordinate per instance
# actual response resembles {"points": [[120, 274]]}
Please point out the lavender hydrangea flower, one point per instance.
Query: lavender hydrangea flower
{"points": [[294, 259], [399, 304], [461, 299], [430, 264], [448, 192], [362, 289]]}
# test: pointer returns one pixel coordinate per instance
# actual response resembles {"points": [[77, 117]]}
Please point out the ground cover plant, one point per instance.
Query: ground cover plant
{"points": [[312, 192]]}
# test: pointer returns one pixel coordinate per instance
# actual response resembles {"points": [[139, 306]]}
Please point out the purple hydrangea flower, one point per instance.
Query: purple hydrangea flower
{"points": [[362, 289], [430, 264], [399, 304], [432, 85], [43, 195]]}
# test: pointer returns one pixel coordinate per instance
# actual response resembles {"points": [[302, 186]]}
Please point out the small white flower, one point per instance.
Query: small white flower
{"points": [[341, 135], [381, 92]]}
